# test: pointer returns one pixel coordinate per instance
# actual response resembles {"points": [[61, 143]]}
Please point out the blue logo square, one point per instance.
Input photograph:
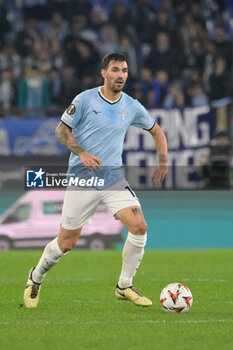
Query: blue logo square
{"points": [[35, 178]]}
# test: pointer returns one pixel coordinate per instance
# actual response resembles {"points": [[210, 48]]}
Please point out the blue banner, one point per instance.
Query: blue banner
{"points": [[29, 137], [188, 131]]}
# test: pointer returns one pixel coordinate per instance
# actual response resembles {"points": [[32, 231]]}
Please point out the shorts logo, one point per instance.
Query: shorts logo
{"points": [[68, 220], [35, 178], [71, 109]]}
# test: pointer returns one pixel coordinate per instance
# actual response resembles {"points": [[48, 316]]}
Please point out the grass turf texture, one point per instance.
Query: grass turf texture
{"points": [[78, 309]]}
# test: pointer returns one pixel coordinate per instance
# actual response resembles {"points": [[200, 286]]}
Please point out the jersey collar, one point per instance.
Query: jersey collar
{"points": [[105, 99]]}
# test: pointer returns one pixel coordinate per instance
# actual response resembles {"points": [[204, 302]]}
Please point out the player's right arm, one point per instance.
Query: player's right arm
{"points": [[65, 137]]}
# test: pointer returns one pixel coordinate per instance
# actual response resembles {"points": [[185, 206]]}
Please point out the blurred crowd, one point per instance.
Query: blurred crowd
{"points": [[179, 51]]}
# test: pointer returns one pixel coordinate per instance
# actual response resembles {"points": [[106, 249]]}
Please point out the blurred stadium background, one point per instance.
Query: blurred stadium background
{"points": [[180, 59]]}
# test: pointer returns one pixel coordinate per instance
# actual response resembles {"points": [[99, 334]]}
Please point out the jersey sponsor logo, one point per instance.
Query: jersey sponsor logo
{"points": [[123, 113], [71, 109]]}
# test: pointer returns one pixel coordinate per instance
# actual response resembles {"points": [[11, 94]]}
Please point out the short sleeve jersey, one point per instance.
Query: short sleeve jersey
{"points": [[99, 126]]}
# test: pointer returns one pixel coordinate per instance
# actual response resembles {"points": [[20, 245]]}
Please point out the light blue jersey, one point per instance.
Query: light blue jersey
{"points": [[99, 126]]}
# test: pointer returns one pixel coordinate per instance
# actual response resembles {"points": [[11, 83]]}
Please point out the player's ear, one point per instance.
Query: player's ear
{"points": [[103, 73]]}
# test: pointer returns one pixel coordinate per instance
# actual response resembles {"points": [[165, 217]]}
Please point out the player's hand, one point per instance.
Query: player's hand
{"points": [[90, 161], [159, 174]]}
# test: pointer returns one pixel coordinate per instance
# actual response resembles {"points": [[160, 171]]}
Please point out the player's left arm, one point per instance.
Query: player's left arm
{"points": [[161, 148]]}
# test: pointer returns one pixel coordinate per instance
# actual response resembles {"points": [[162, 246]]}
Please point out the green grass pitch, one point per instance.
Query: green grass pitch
{"points": [[78, 308]]}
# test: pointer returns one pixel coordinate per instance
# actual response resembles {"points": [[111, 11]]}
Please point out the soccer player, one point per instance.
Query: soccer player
{"points": [[93, 129]]}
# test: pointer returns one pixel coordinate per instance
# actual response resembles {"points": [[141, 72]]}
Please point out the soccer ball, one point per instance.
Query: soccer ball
{"points": [[176, 297]]}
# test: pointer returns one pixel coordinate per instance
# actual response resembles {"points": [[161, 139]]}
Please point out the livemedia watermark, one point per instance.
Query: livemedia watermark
{"points": [[40, 178]]}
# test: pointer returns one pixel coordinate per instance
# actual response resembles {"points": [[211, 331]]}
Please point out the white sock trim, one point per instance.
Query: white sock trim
{"points": [[51, 255], [137, 240], [55, 247]]}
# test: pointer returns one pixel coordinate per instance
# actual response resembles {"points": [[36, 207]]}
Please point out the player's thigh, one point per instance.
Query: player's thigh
{"points": [[132, 217], [123, 203], [78, 208]]}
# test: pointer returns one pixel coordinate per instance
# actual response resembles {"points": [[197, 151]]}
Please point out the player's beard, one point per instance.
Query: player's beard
{"points": [[116, 88]]}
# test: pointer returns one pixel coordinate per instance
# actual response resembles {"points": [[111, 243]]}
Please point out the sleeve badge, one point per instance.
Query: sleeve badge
{"points": [[71, 109]]}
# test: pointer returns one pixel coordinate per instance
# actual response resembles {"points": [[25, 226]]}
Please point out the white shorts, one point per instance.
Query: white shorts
{"points": [[79, 205]]}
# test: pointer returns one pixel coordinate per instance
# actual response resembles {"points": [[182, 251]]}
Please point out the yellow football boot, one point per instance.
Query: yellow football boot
{"points": [[31, 292], [132, 294]]}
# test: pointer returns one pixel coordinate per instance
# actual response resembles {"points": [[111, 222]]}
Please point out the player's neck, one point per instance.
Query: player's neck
{"points": [[110, 95]]}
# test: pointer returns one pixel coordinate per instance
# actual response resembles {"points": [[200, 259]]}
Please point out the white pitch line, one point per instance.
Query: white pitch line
{"points": [[186, 321], [115, 323], [2, 302], [89, 301], [194, 280], [73, 280]]}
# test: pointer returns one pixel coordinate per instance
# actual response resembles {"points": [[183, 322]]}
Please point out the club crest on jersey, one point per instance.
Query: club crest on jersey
{"points": [[71, 109], [123, 113]]}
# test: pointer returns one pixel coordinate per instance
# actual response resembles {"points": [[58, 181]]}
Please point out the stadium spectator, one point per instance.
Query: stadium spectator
{"points": [[136, 93], [29, 39], [77, 25], [55, 86], [7, 90], [38, 9], [119, 18], [33, 92], [195, 57], [193, 76], [87, 82], [85, 58], [223, 44], [190, 30], [96, 21], [70, 86], [108, 41], [42, 59], [79, 7], [56, 33], [197, 13], [140, 15], [220, 80], [163, 57], [209, 58], [129, 50], [150, 99], [59, 58], [162, 23], [9, 59], [177, 36], [160, 87], [169, 7], [196, 95], [175, 97], [5, 25], [145, 80]]}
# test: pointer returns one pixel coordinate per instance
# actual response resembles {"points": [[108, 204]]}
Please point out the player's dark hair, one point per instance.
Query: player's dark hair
{"points": [[114, 56]]}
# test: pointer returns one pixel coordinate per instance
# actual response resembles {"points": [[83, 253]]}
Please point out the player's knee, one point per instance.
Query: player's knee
{"points": [[139, 228], [66, 246]]}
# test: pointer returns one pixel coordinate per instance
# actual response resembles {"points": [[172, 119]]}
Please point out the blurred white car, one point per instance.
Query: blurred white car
{"points": [[34, 219]]}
